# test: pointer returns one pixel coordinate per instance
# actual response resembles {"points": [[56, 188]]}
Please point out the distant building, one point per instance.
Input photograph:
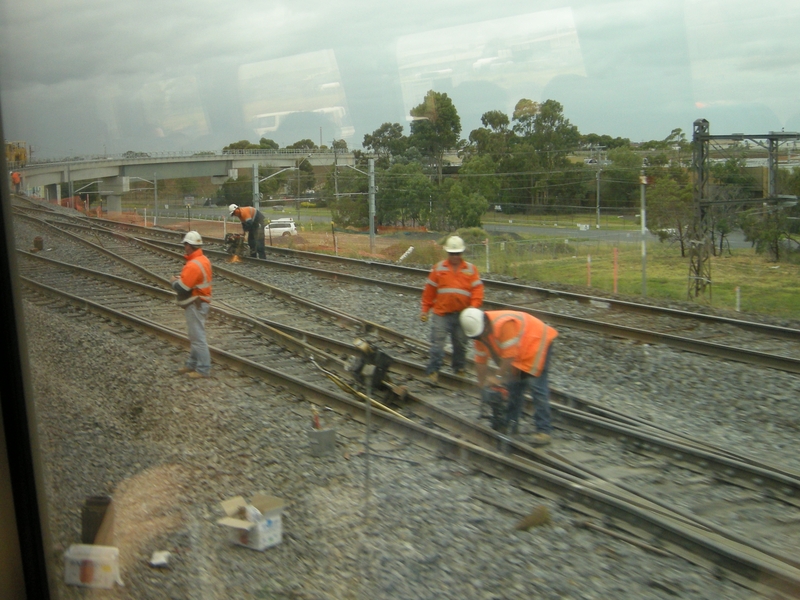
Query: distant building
{"points": [[16, 154]]}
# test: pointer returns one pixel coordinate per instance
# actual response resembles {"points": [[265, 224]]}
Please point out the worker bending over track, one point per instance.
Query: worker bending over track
{"points": [[452, 285], [253, 225], [520, 345], [194, 295]]}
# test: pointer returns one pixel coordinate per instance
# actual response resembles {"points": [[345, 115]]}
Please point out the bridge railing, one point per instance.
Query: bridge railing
{"points": [[132, 156]]}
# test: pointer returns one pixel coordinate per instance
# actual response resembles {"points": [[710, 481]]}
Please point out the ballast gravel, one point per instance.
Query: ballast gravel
{"points": [[114, 418]]}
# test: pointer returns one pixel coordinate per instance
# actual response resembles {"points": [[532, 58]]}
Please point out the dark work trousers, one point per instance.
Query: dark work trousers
{"points": [[540, 390], [443, 327], [255, 237]]}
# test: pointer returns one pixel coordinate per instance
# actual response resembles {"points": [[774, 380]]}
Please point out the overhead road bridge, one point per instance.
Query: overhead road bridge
{"points": [[57, 178]]}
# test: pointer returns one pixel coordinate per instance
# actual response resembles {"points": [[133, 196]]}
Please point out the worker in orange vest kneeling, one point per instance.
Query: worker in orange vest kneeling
{"points": [[520, 345]]}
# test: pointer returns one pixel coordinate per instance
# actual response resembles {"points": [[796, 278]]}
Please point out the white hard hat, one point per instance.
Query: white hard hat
{"points": [[454, 245], [471, 320], [233, 207], [193, 238]]}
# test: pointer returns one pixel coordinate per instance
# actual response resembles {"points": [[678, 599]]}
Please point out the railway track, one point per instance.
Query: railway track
{"points": [[422, 414], [763, 344]]}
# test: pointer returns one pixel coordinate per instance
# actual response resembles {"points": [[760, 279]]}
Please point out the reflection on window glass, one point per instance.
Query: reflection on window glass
{"points": [[490, 65], [286, 99]]}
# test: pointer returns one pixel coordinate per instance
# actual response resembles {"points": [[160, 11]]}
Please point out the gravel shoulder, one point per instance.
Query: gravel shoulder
{"points": [[114, 418]]}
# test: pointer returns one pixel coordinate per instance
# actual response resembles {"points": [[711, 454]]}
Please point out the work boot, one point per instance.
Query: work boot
{"points": [[433, 378], [461, 373], [198, 375], [185, 370], [540, 439]]}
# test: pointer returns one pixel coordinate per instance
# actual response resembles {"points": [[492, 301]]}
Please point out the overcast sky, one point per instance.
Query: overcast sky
{"points": [[81, 77]]}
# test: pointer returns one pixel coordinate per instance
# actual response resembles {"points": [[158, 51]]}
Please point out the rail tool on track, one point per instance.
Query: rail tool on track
{"points": [[235, 246], [371, 367]]}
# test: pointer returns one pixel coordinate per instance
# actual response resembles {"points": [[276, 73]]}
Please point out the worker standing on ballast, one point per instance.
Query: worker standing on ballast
{"points": [[16, 179], [452, 285], [194, 295], [253, 225], [521, 347]]}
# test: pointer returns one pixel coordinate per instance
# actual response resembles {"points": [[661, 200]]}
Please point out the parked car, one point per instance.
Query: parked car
{"points": [[280, 227]]}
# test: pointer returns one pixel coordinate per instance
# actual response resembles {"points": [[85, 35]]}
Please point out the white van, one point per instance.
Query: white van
{"points": [[280, 227]]}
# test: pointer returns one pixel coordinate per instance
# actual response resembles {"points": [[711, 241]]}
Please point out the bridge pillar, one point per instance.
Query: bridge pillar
{"points": [[116, 186], [52, 193], [114, 204]]}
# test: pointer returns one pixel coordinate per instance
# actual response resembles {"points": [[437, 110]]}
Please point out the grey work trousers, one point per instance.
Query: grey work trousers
{"points": [[199, 356]]}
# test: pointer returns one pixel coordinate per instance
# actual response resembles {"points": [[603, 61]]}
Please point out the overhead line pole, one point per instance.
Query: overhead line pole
{"points": [[372, 205], [699, 243]]}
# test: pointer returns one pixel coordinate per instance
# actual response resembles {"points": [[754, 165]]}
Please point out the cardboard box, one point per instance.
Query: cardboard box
{"points": [[256, 525], [92, 566]]}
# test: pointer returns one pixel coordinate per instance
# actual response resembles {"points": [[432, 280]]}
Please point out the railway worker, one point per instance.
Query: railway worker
{"points": [[452, 285], [521, 347], [16, 179], [194, 295], [253, 225]]}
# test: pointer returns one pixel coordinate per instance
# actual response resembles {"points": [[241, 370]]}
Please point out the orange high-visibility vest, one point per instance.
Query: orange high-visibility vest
{"points": [[245, 212], [196, 276], [449, 289], [517, 336]]}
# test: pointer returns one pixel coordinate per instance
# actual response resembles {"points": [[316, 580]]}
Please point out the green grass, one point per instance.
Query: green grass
{"points": [[765, 287], [567, 221]]}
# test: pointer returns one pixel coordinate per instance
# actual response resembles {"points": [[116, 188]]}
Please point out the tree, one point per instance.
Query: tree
{"points": [[670, 210], [591, 140], [305, 173], [305, 144], [386, 141], [436, 128], [621, 178], [545, 138], [496, 120], [268, 144], [493, 138], [732, 173], [772, 229], [466, 210], [350, 211], [275, 184], [349, 208], [524, 114], [553, 135], [238, 192], [477, 175], [404, 191], [242, 145], [187, 186]]}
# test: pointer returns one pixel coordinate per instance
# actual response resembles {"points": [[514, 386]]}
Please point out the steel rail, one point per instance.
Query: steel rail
{"points": [[586, 299], [742, 470], [752, 357], [774, 361], [725, 553]]}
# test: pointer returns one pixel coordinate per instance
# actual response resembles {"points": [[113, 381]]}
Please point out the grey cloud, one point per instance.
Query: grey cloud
{"points": [[93, 74]]}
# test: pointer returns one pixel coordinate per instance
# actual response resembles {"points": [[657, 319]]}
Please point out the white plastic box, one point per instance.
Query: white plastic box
{"points": [[92, 566], [256, 525]]}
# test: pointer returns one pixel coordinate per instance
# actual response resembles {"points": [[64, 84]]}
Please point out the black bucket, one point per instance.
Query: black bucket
{"points": [[94, 511]]}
